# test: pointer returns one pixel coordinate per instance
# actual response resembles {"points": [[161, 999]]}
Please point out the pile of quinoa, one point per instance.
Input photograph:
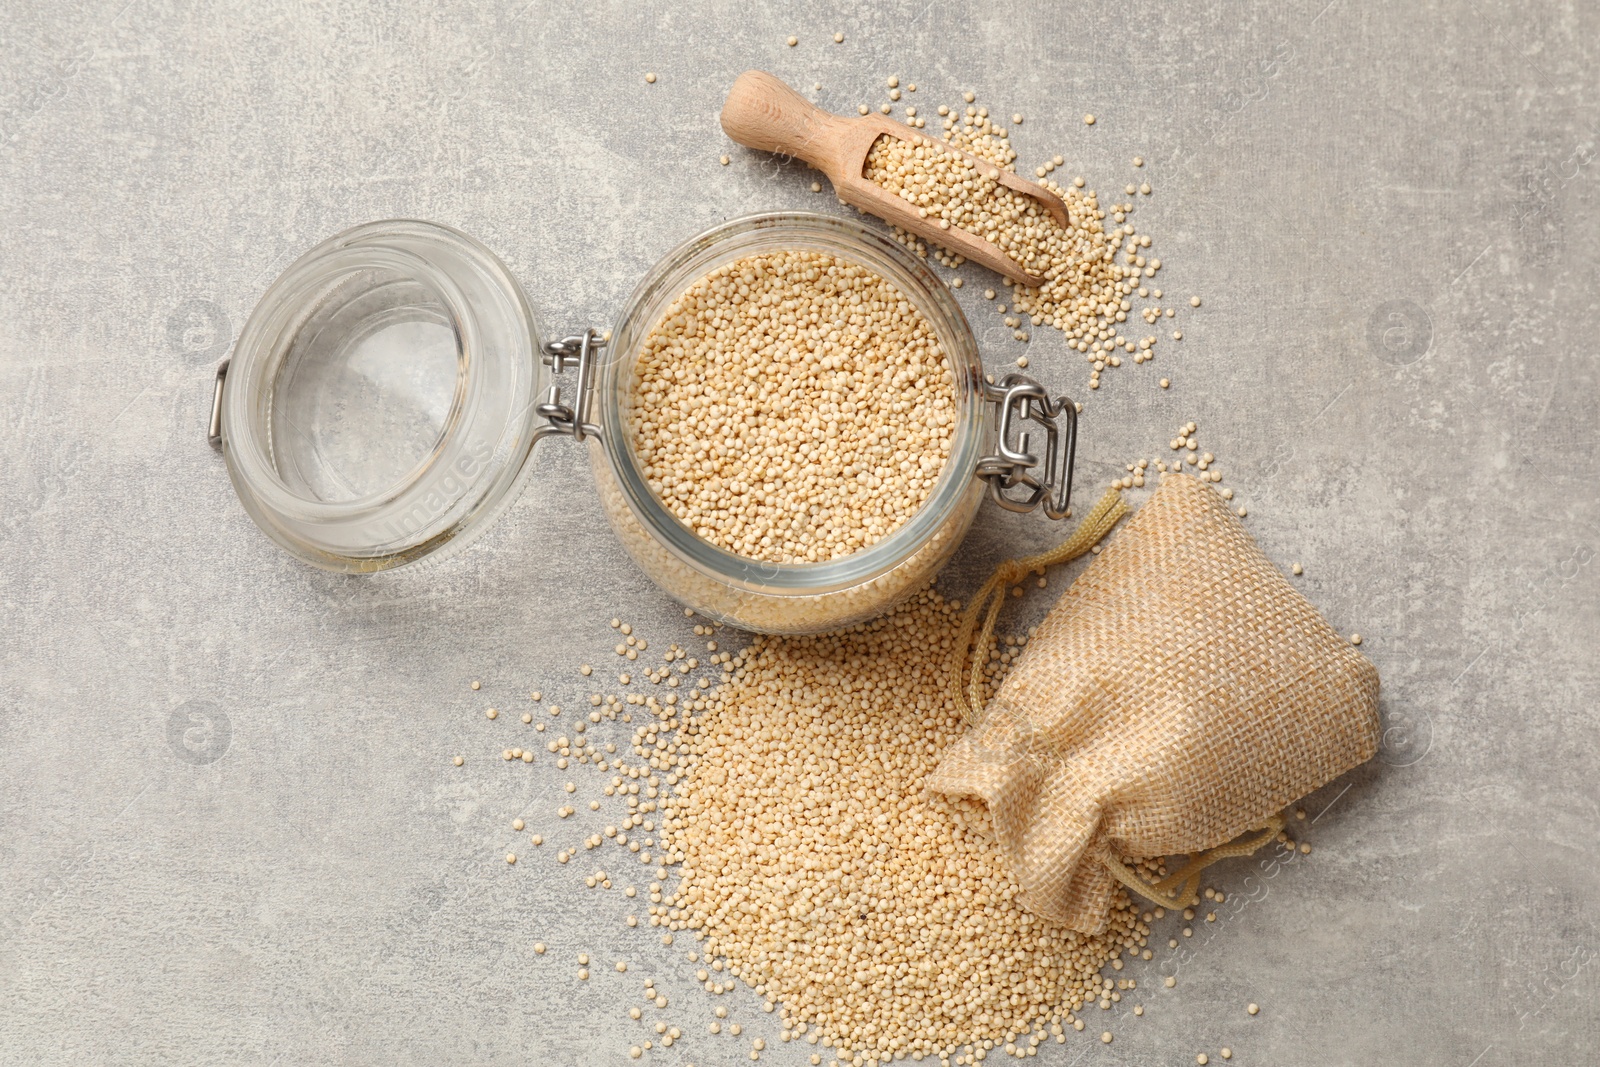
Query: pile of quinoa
{"points": [[792, 407], [880, 918]]}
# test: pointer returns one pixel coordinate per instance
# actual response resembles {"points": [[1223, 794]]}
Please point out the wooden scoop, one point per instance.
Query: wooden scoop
{"points": [[764, 113]]}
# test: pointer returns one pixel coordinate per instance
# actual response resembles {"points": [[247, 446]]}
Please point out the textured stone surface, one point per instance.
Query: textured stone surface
{"points": [[229, 826]]}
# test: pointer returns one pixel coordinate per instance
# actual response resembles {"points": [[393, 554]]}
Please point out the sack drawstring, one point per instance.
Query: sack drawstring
{"points": [[988, 601], [1182, 889]]}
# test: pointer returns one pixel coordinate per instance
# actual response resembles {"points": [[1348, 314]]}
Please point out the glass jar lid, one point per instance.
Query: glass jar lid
{"points": [[383, 397]]}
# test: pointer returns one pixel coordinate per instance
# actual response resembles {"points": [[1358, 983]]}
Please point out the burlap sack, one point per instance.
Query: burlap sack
{"points": [[1181, 693]]}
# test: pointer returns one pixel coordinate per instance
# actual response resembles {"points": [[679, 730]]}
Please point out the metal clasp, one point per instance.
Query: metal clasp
{"points": [[1013, 466], [578, 351]]}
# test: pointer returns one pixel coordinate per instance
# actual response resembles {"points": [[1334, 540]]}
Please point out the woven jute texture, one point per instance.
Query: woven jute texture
{"points": [[1180, 694]]}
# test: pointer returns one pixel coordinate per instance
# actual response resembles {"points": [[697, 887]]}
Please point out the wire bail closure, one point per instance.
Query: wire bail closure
{"points": [[1022, 400], [580, 351]]}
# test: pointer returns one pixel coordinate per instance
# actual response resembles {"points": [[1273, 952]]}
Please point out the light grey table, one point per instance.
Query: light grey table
{"points": [[229, 828]]}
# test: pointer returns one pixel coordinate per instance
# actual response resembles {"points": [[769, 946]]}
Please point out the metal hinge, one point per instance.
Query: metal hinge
{"points": [[1013, 466], [578, 351]]}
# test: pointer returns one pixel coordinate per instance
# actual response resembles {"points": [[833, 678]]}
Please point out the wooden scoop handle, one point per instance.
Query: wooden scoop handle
{"points": [[763, 113]]}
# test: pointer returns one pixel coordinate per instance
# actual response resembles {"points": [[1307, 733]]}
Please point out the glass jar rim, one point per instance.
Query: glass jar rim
{"points": [[699, 255]]}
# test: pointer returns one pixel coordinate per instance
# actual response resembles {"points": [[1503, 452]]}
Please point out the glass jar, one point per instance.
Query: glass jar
{"points": [[384, 397]]}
